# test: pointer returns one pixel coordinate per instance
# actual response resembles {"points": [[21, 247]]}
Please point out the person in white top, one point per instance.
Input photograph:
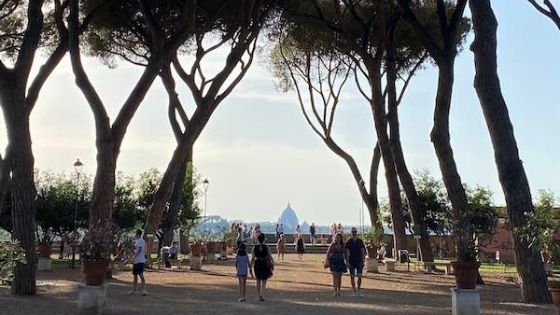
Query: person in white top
{"points": [[139, 259]]}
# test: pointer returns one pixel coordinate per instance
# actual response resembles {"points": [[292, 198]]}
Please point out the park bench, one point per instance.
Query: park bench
{"points": [[429, 266]]}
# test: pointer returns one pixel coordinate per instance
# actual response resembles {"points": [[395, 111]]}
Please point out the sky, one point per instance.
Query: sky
{"points": [[259, 154]]}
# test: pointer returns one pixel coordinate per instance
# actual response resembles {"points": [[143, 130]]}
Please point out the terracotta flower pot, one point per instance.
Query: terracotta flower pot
{"points": [[196, 249], [95, 271], [371, 252], [466, 274], [554, 288], [45, 251]]}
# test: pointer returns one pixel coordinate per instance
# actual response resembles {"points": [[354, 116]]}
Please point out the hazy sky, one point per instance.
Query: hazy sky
{"points": [[259, 154]]}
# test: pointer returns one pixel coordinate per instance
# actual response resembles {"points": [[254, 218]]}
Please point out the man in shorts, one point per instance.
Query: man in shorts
{"points": [[138, 262], [356, 258]]}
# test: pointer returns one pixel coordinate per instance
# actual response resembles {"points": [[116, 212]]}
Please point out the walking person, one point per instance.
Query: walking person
{"points": [[333, 232], [262, 264], [356, 258], [336, 261], [242, 265], [281, 247], [300, 246], [277, 230], [281, 229], [312, 232], [138, 263]]}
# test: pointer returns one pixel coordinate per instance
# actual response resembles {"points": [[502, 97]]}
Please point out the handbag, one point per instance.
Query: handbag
{"points": [[269, 262]]}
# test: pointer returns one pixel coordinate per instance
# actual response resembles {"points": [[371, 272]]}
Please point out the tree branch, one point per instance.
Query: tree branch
{"points": [[30, 41], [431, 45], [551, 13]]}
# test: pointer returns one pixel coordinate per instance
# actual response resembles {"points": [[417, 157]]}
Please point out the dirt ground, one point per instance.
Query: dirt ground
{"points": [[296, 288]]}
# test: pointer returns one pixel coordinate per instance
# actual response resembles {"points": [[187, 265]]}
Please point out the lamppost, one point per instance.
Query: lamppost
{"points": [[205, 183], [78, 168]]}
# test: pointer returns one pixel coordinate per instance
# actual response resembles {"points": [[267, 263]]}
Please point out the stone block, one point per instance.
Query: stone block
{"points": [[196, 263], [91, 299], [44, 264], [465, 302], [389, 265]]}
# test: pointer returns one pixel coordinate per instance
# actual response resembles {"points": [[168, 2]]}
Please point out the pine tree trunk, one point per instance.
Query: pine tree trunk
{"points": [[22, 188], [400, 162], [452, 180], [534, 287], [103, 195], [380, 120], [165, 188], [61, 249], [172, 220]]}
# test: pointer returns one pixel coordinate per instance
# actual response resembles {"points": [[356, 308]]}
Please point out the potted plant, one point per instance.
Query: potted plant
{"points": [[95, 253], [372, 239], [44, 243], [478, 220], [196, 248]]}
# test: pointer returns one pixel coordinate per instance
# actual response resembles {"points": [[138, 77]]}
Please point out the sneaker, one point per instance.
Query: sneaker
{"points": [[144, 292], [241, 300], [261, 298], [131, 292]]}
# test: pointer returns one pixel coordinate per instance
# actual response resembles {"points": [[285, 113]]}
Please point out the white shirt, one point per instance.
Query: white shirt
{"points": [[140, 251]]}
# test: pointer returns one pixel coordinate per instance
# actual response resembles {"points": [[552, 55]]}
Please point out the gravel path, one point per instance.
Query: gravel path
{"points": [[296, 288]]}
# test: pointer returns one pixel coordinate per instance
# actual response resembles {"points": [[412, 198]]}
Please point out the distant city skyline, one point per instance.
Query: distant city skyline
{"points": [[259, 154]]}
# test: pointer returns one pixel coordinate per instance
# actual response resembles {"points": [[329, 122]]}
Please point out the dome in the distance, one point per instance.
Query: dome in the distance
{"points": [[289, 220]]}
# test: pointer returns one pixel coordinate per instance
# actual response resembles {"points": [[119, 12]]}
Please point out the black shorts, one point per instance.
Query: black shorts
{"points": [[138, 269]]}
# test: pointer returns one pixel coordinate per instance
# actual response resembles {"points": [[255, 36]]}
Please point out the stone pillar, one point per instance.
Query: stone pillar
{"points": [[196, 263], [44, 264], [372, 265], [91, 299], [389, 265], [465, 302]]}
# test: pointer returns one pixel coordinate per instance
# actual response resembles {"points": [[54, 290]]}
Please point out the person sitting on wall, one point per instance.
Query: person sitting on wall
{"points": [[164, 254], [381, 252], [173, 250]]}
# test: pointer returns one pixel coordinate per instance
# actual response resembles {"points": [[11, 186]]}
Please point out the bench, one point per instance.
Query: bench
{"points": [[429, 266]]}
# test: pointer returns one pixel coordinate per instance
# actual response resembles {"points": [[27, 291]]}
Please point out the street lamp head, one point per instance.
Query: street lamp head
{"points": [[78, 165], [206, 183]]}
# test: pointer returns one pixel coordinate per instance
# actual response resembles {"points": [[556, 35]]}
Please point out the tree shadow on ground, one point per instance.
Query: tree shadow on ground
{"points": [[220, 294]]}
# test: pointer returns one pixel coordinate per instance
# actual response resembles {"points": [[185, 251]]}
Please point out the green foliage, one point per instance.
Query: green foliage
{"points": [[12, 26], [58, 201], [542, 227], [11, 254], [126, 213], [189, 214], [97, 242], [374, 236], [481, 212]]}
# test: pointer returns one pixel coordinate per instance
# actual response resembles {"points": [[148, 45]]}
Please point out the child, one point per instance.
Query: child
{"points": [[242, 265]]}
